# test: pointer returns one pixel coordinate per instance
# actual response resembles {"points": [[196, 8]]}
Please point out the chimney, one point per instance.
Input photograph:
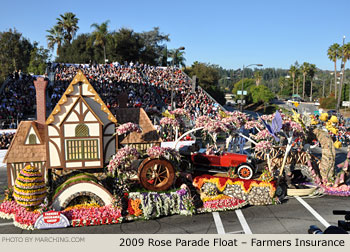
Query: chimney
{"points": [[40, 86]]}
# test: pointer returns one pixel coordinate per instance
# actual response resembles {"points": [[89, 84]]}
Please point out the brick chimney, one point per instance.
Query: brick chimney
{"points": [[40, 87]]}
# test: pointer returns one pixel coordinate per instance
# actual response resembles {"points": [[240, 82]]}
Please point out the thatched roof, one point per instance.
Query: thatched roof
{"points": [[20, 152], [138, 116]]}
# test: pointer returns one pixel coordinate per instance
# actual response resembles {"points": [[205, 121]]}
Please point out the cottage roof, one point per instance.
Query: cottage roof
{"points": [[80, 77], [21, 152]]}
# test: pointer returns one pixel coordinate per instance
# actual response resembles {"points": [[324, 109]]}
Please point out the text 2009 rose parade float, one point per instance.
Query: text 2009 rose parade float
{"points": [[96, 168]]}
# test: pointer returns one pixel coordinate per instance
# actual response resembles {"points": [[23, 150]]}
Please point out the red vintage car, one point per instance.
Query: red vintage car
{"points": [[245, 168]]}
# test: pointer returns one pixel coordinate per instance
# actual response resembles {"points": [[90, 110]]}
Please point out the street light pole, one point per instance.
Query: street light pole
{"points": [[172, 85], [243, 80]]}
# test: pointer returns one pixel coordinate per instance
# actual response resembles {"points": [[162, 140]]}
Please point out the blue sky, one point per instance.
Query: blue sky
{"points": [[226, 33]]}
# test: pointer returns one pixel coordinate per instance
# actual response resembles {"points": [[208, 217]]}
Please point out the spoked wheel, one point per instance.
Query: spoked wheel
{"points": [[156, 174], [245, 171]]}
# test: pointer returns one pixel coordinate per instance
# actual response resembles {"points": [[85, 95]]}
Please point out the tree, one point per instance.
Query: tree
{"points": [[334, 54], [304, 69], [282, 82], [261, 94], [247, 84], [80, 51], [164, 57], [55, 37], [258, 77], [14, 53], [178, 58], [345, 57], [68, 23], [127, 46], [152, 46], [38, 60], [293, 71], [208, 78], [100, 35], [311, 73]]}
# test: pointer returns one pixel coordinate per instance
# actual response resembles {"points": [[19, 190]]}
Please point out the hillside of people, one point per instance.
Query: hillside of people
{"points": [[145, 86]]}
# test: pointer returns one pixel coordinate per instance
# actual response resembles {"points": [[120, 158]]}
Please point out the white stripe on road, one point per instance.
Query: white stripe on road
{"points": [[243, 222], [314, 213], [6, 224], [218, 223]]}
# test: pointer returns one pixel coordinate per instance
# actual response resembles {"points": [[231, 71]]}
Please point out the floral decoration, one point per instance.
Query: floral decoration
{"points": [[128, 127], [263, 146], [123, 157], [29, 189], [153, 204], [164, 152], [169, 121]]}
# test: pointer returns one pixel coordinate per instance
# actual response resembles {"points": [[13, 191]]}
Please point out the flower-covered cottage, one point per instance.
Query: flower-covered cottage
{"points": [[78, 134]]}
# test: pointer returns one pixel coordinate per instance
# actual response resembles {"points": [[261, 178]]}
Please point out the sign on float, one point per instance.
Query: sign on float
{"points": [[51, 219]]}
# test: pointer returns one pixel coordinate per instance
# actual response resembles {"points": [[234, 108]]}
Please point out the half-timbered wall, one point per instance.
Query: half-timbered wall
{"points": [[69, 149]]}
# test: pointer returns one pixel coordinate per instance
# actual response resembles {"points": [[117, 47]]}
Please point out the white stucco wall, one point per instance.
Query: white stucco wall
{"points": [[32, 131], [54, 155]]}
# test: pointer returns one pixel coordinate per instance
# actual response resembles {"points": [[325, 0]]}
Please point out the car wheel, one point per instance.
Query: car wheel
{"points": [[245, 171]]}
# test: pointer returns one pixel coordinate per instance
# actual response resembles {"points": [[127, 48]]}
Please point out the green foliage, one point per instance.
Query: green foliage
{"points": [[261, 94], [68, 25], [120, 46], [15, 53], [80, 51], [38, 59], [247, 83], [208, 77], [328, 102]]}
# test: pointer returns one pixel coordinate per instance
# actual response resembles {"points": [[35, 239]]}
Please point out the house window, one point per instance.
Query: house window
{"points": [[32, 139], [81, 130], [82, 149]]}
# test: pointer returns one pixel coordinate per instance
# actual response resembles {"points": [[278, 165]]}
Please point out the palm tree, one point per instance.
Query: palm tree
{"points": [[281, 82], [334, 54], [258, 77], [177, 57], [346, 56], [293, 70], [55, 37], [100, 34], [68, 22], [304, 69], [311, 72]]}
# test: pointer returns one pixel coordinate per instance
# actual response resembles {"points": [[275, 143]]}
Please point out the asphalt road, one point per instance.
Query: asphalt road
{"points": [[293, 216]]}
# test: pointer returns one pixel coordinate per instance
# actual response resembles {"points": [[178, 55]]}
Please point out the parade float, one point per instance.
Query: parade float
{"points": [[84, 166]]}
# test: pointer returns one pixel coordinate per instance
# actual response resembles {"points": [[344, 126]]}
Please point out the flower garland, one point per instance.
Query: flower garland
{"points": [[222, 182], [165, 152], [201, 121], [91, 215], [123, 157], [22, 218], [169, 121], [153, 204], [79, 215], [180, 112], [128, 127], [222, 203], [263, 146]]}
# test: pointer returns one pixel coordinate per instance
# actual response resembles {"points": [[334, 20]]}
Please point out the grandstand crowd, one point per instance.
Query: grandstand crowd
{"points": [[145, 86]]}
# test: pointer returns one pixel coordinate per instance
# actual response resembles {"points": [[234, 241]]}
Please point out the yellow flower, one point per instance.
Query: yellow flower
{"points": [[337, 144], [334, 130], [324, 117], [334, 119]]}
